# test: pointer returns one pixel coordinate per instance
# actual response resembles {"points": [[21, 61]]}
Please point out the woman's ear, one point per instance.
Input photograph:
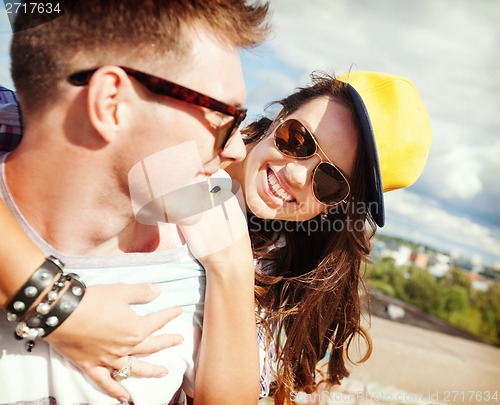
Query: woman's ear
{"points": [[109, 94]]}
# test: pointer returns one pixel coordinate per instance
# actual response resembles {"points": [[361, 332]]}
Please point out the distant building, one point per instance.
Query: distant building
{"points": [[441, 265], [481, 285], [490, 274], [478, 282], [419, 259], [402, 256]]}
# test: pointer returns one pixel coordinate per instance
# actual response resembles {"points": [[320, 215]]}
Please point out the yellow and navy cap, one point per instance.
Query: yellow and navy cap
{"points": [[396, 130]]}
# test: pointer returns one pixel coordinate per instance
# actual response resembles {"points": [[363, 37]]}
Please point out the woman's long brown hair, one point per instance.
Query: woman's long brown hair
{"points": [[308, 289]]}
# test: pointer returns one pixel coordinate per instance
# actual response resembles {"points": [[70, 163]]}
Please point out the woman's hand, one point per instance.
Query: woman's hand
{"points": [[219, 233], [104, 330]]}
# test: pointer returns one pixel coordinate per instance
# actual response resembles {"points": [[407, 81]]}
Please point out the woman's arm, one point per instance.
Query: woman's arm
{"points": [[19, 256], [95, 336], [228, 364], [228, 367]]}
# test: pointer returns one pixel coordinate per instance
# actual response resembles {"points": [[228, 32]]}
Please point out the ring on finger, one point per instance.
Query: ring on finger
{"points": [[124, 372]]}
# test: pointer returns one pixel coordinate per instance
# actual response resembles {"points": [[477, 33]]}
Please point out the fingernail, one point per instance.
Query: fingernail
{"points": [[155, 288], [123, 400]]}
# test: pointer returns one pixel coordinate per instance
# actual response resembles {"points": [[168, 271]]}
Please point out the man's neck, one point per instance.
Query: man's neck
{"points": [[78, 209]]}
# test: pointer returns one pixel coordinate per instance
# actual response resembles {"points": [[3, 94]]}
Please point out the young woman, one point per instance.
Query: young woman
{"points": [[316, 164]]}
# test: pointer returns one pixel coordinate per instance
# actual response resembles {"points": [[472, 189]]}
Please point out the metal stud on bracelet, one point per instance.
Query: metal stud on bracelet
{"points": [[31, 290]]}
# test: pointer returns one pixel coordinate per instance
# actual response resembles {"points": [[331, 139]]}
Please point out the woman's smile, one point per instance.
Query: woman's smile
{"points": [[277, 189]]}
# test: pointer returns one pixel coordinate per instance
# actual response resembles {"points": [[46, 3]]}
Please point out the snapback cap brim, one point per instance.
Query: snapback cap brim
{"points": [[375, 194]]}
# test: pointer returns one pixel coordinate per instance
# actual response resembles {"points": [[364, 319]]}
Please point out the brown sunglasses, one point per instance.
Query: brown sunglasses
{"points": [[293, 139], [166, 88]]}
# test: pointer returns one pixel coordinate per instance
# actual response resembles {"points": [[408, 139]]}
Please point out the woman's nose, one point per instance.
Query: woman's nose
{"points": [[299, 171]]}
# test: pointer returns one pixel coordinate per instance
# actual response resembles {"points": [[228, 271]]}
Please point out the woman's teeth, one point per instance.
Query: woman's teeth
{"points": [[276, 189]]}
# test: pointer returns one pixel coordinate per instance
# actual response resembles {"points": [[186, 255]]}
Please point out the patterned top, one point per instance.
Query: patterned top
{"points": [[11, 125], [266, 359]]}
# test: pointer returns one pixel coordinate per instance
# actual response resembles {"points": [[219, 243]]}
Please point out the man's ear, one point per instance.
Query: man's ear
{"points": [[109, 94]]}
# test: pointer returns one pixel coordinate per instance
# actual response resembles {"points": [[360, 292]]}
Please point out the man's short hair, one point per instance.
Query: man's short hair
{"points": [[97, 32]]}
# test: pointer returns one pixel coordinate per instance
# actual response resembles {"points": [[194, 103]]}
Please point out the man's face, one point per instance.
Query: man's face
{"points": [[212, 68], [181, 136]]}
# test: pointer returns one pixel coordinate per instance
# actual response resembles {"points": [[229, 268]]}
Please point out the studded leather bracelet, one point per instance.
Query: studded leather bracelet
{"points": [[49, 314], [41, 278], [48, 318]]}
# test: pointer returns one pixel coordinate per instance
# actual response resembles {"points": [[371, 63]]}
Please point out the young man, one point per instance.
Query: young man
{"points": [[94, 106]]}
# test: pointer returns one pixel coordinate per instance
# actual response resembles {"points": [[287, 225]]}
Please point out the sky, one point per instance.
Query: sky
{"points": [[450, 50]]}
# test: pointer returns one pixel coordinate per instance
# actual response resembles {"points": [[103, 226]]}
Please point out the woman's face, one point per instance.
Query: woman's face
{"points": [[280, 187]]}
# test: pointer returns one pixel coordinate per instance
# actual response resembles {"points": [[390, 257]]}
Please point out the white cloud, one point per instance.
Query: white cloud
{"points": [[418, 218], [459, 171], [463, 170]]}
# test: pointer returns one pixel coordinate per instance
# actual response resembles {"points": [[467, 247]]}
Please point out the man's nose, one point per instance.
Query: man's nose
{"points": [[234, 150]]}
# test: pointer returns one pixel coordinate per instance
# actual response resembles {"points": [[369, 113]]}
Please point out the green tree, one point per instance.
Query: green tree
{"points": [[491, 313], [470, 320], [385, 276], [423, 291], [455, 299], [452, 298], [456, 277], [382, 270], [399, 280]]}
